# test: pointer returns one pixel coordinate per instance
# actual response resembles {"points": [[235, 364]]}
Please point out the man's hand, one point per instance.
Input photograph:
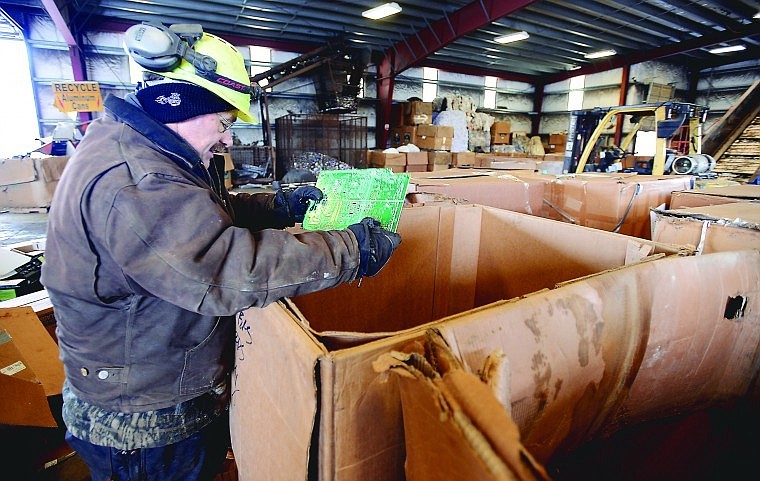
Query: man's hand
{"points": [[294, 204], [375, 245]]}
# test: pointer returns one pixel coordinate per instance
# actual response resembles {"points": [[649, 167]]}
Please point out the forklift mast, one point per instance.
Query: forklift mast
{"points": [[587, 126]]}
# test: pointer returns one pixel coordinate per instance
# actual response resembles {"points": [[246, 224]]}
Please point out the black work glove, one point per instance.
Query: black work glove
{"points": [[292, 205], [375, 245]]}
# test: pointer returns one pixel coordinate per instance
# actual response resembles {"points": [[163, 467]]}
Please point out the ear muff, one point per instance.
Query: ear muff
{"points": [[160, 49]]}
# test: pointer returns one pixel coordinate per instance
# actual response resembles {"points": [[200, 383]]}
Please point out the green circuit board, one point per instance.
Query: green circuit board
{"points": [[351, 195]]}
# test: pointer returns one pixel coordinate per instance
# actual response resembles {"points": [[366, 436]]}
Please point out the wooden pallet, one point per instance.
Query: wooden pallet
{"points": [[742, 158]]}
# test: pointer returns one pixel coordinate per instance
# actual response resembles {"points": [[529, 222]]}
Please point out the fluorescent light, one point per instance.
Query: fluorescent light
{"points": [[600, 54], [382, 11], [757, 15], [512, 37], [731, 48]]}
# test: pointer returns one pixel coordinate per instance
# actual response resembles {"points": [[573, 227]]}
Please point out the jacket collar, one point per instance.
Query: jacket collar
{"points": [[171, 144]]}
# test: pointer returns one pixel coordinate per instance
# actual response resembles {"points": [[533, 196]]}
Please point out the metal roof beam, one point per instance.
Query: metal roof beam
{"points": [[660, 52], [642, 16], [465, 20]]}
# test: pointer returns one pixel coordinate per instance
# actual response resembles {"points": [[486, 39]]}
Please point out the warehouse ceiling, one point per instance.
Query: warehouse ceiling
{"points": [[457, 35]]}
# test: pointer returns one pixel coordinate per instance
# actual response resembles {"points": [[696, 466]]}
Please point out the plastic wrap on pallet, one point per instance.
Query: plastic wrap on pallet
{"points": [[481, 122], [465, 103], [479, 139], [458, 120]]}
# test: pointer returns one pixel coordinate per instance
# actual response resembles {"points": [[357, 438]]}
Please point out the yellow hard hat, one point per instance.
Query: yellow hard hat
{"points": [[199, 58]]}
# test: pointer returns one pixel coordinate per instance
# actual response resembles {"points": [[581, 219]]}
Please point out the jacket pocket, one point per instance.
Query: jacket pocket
{"points": [[204, 364]]}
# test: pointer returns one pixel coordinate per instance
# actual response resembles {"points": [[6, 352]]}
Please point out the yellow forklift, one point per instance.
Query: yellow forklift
{"points": [[585, 133]]}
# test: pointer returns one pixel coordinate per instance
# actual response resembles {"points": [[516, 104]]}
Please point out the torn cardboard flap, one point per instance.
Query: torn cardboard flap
{"points": [[30, 370], [454, 427]]}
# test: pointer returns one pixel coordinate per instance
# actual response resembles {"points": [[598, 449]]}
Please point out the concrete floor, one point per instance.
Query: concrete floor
{"points": [[22, 227]]}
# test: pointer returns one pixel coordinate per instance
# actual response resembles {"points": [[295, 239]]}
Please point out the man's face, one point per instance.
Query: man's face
{"points": [[205, 131]]}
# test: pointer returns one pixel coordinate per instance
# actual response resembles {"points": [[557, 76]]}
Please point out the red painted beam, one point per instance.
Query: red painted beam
{"points": [[415, 48], [464, 21], [60, 23], [621, 101]]}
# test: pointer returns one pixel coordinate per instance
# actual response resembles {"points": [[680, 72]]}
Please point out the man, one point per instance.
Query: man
{"points": [[148, 258]]}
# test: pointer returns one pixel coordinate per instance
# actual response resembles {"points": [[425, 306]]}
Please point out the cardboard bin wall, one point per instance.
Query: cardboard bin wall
{"points": [[304, 387], [713, 228]]}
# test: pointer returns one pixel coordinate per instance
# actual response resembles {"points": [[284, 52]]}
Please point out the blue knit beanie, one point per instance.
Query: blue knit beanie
{"points": [[170, 102]]}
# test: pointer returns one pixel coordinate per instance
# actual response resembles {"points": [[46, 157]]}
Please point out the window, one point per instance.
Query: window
{"points": [[429, 84], [575, 96], [489, 97], [17, 137], [261, 61]]}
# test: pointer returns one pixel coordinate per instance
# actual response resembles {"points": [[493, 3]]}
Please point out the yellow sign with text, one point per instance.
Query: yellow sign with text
{"points": [[77, 96]]}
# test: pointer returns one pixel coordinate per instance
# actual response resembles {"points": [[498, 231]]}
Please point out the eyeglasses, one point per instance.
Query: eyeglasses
{"points": [[226, 123]]}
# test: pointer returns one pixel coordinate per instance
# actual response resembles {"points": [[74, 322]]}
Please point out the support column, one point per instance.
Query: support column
{"points": [[623, 94]]}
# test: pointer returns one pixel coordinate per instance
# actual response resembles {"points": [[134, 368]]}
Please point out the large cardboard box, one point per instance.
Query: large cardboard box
{"points": [[494, 189], [462, 158], [29, 182], [619, 202], [30, 370], [557, 142], [715, 195], [306, 401], [417, 112], [439, 158], [500, 133], [403, 135], [434, 137], [394, 161], [416, 158], [715, 228]]}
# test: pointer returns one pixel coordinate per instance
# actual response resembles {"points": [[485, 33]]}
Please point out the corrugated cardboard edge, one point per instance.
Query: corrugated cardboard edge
{"points": [[282, 425], [25, 402]]}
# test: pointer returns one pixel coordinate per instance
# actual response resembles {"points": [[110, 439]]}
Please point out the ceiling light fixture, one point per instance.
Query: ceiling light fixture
{"points": [[512, 37], [731, 48], [382, 11], [601, 53]]}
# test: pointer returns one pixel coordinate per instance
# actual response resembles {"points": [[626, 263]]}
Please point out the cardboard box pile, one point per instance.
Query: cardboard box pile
{"points": [[399, 162], [712, 228], [304, 386], [29, 183]]}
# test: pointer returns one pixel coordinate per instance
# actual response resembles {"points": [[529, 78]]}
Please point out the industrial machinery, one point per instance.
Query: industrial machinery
{"points": [[586, 130], [336, 69]]}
